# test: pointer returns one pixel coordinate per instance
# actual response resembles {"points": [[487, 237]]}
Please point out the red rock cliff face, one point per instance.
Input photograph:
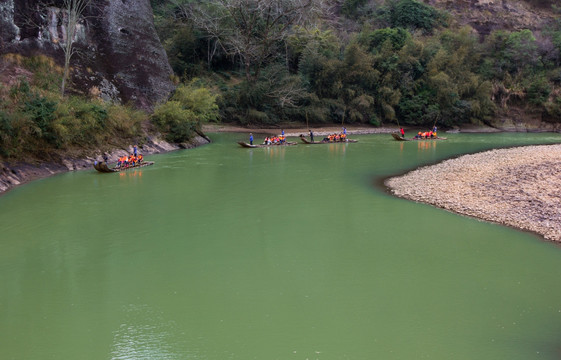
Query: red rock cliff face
{"points": [[120, 55]]}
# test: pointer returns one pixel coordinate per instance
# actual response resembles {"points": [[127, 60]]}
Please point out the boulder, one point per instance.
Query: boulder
{"points": [[119, 58]]}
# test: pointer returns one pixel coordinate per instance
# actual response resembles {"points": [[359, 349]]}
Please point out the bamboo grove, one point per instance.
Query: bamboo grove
{"points": [[358, 62]]}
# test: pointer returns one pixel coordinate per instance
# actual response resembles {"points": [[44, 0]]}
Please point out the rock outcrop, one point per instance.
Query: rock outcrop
{"points": [[486, 16], [119, 58]]}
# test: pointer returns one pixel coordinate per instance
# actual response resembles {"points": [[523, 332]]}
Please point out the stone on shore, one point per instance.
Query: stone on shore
{"points": [[519, 187]]}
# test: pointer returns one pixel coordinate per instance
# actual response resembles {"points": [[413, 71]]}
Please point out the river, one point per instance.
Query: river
{"points": [[222, 252]]}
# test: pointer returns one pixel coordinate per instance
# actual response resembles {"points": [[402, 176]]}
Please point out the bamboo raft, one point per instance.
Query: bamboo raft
{"points": [[306, 141], [400, 138], [246, 145], [104, 168]]}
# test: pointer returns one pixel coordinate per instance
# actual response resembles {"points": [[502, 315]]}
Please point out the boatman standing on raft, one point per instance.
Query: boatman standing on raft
{"points": [[250, 138], [311, 136], [402, 132]]}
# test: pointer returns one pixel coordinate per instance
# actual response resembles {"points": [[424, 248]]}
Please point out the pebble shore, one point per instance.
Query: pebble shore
{"points": [[519, 187]]}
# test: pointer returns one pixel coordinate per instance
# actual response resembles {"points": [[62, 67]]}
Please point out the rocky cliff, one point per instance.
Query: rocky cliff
{"points": [[486, 16], [119, 56]]}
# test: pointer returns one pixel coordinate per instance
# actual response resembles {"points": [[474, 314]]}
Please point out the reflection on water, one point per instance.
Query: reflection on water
{"points": [[337, 148], [426, 145], [130, 174], [143, 335]]}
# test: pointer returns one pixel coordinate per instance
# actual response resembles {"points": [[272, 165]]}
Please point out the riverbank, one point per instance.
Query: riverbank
{"points": [[519, 187], [19, 173], [298, 129]]}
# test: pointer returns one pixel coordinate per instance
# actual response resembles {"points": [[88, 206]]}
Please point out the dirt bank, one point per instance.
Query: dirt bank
{"points": [[519, 187]]}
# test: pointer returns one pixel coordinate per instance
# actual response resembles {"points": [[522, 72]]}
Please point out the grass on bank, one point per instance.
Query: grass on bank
{"points": [[38, 124]]}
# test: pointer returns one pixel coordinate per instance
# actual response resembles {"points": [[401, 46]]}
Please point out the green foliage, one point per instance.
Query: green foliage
{"points": [[175, 122], [375, 39], [256, 117], [411, 14], [385, 62], [197, 99], [538, 91], [412, 109], [38, 123], [42, 112], [6, 134], [304, 44], [46, 74], [182, 51], [21, 90], [521, 49], [553, 109], [179, 118], [350, 7]]}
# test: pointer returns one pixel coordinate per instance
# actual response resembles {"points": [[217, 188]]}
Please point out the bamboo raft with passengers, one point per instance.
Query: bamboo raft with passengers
{"points": [[328, 140], [125, 163], [398, 137], [102, 166], [246, 145], [269, 141]]}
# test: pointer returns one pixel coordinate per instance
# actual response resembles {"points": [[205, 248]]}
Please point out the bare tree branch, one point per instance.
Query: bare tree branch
{"points": [[252, 30]]}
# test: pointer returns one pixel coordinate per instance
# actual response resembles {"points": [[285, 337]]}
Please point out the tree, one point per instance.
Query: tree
{"points": [[250, 30], [522, 50], [74, 10], [410, 14]]}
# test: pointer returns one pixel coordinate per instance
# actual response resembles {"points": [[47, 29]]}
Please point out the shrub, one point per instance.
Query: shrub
{"points": [[47, 75], [256, 117], [6, 134], [538, 91], [411, 14], [42, 111], [20, 91], [199, 100], [373, 40], [176, 123], [350, 7], [124, 121]]}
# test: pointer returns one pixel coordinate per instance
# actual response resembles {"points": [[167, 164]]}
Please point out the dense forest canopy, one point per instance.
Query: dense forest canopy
{"points": [[358, 61]]}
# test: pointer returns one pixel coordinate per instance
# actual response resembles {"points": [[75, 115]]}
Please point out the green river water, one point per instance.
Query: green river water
{"points": [[298, 253]]}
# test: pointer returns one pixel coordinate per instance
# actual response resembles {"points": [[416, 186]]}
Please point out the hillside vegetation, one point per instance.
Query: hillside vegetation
{"points": [[367, 62], [38, 124], [270, 62]]}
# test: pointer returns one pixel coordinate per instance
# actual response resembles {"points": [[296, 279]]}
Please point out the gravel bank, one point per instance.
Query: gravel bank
{"points": [[520, 187]]}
